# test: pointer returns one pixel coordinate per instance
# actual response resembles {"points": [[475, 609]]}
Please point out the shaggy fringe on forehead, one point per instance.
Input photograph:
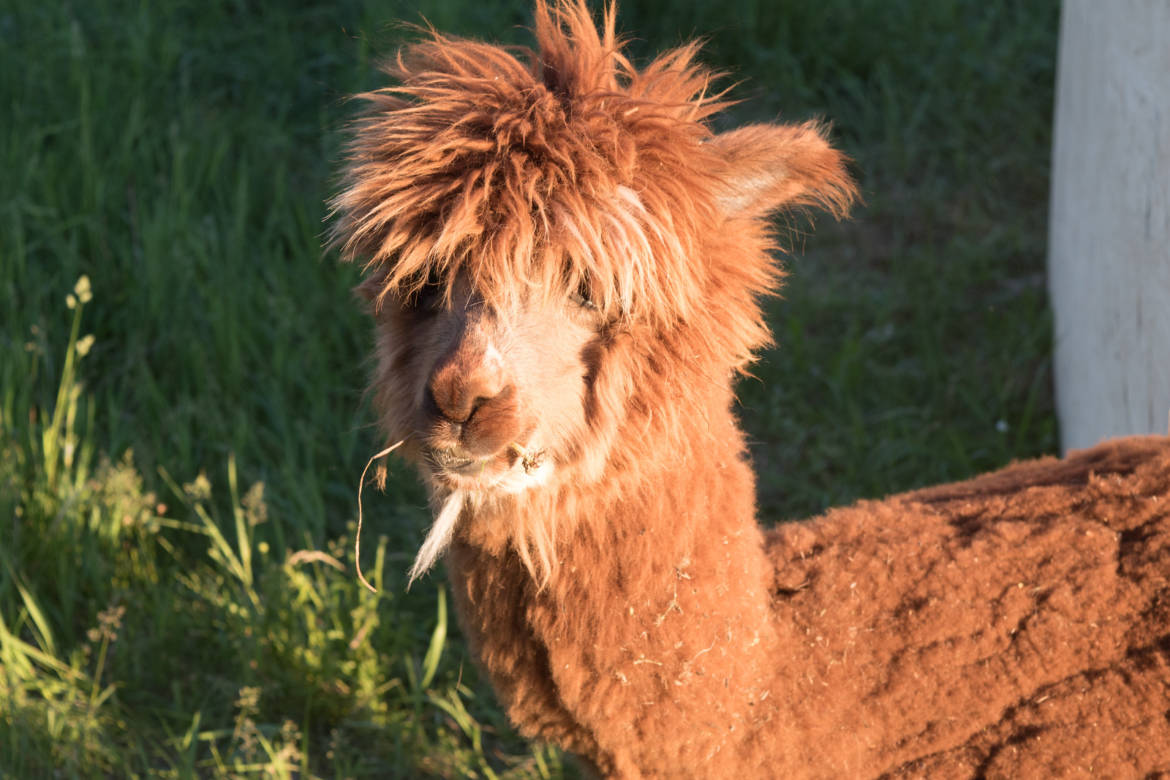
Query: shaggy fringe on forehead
{"points": [[535, 171]]}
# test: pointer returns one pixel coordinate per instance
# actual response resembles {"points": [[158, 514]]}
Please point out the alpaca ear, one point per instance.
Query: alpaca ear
{"points": [[769, 167]]}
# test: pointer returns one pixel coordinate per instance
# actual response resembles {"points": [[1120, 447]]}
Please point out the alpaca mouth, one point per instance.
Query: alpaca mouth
{"points": [[513, 468], [455, 463]]}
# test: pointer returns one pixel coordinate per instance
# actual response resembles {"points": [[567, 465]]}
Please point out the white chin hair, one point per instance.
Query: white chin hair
{"points": [[439, 537], [515, 480]]}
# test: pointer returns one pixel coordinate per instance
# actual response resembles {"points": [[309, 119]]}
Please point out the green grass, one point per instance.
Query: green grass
{"points": [[177, 593]]}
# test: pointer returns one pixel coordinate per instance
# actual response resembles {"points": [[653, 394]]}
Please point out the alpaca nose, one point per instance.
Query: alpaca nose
{"points": [[467, 382], [457, 396]]}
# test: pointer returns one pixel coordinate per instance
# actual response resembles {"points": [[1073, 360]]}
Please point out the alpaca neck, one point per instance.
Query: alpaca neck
{"points": [[658, 601]]}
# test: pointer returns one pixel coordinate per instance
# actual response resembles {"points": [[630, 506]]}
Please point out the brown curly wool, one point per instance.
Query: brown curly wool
{"points": [[1014, 625], [564, 263]]}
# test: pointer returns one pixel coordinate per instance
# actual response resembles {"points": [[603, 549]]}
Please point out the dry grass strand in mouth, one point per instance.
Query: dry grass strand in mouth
{"points": [[357, 543]]}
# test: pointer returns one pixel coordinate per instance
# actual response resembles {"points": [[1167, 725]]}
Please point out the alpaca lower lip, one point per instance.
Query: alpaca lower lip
{"points": [[456, 464], [466, 467], [452, 462]]}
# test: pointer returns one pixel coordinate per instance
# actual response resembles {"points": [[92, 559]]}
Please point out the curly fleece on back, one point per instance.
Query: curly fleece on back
{"points": [[1015, 625]]}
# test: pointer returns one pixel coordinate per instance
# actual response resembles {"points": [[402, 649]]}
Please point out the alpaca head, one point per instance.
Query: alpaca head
{"points": [[560, 253]]}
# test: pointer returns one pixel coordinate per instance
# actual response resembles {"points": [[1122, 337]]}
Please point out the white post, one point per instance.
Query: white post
{"points": [[1109, 225]]}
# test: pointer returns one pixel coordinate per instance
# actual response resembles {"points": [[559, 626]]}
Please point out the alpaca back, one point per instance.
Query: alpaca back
{"points": [[1019, 621]]}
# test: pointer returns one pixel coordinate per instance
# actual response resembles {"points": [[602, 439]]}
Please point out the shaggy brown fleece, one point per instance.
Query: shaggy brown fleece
{"points": [[564, 263], [1015, 625]]}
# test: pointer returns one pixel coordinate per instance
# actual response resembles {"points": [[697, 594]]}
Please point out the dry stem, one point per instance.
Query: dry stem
{"points": [[357, 544]]}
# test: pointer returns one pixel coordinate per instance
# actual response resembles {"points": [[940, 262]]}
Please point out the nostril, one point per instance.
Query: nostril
{"points": [[448, 404], [431, 404], [476, 403]]}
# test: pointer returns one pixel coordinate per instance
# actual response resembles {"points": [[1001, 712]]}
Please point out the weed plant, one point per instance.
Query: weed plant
{"points": [[181, 417]]}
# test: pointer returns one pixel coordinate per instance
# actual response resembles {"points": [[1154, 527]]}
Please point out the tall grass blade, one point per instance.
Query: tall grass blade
{"points": [[437, 643]]}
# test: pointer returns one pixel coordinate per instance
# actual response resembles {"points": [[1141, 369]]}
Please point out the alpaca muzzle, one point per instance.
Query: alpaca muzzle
{"points": [[472, 406]]}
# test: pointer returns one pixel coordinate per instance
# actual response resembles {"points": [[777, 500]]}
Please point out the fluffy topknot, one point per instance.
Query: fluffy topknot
{"points": [[534, 169], [564, 169]]}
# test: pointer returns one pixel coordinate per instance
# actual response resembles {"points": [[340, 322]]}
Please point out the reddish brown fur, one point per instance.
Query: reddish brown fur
{"points": [[564, 264]]}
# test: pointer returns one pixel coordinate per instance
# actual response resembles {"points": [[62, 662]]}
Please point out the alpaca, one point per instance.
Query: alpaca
{"points": [[565, 264]]}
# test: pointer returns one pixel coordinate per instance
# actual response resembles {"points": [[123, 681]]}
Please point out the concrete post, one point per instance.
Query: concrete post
{"points": [[1109, 225]]}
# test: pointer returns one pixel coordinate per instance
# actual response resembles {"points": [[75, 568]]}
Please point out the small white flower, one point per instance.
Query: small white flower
{"points": [[82, 290]]}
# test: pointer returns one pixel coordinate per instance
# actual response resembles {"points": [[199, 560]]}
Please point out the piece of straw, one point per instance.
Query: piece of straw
{"points": [[357, 544], [530, 460]]}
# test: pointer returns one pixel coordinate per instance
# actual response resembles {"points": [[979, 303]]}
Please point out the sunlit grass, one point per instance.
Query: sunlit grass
{"points": [[180, 438]]}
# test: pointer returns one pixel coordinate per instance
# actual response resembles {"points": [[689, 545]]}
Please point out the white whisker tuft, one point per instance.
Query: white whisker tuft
{"points": [[439, 537]]}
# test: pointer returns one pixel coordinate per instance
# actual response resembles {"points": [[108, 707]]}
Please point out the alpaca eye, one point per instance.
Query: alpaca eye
{"points": [[428, 295], [582, 297]]}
